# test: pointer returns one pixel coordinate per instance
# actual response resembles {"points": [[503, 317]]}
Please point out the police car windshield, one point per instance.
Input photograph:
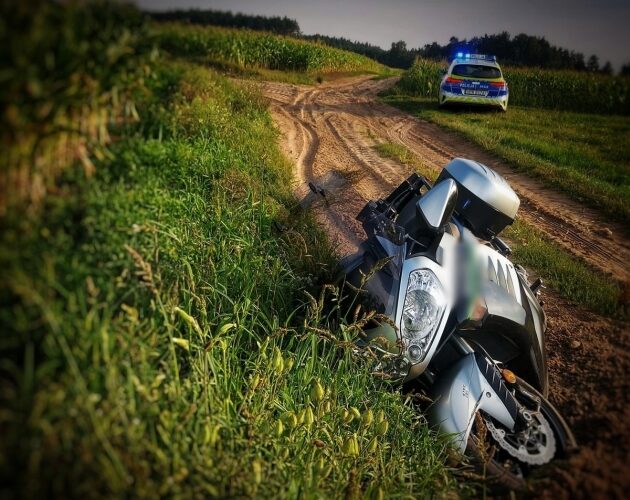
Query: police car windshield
{"points": [[476, 71]]}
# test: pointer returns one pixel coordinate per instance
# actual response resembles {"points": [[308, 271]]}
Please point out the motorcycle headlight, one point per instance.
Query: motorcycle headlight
{"points": [[424, 305]]}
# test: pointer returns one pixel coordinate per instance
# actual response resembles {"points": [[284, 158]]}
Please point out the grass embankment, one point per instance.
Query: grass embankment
{"points": [[568, 275], [155, 337], [60, 93], [264, 55]]}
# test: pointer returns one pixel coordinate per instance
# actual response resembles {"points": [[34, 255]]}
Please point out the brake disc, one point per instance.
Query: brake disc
{"points": [[535, 445]]}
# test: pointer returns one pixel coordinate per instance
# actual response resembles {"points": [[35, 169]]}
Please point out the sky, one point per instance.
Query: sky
{"points": [[587, 26]]}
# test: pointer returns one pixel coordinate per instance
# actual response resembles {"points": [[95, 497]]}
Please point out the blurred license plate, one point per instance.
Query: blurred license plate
{"points": [[483, 93]]}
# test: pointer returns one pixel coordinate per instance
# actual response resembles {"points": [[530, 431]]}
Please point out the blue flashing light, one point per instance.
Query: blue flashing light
{"points": [[482, 57], [460, 55]]}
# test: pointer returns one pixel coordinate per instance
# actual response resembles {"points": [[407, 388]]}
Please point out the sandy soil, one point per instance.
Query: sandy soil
{"points": [[329, 132]]}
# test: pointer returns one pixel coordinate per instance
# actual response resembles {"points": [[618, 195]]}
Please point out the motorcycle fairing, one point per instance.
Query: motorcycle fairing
{"points": [[513, 312], [462, 391], [496, 269], [534, 336], [524, 324], [444, 253]]}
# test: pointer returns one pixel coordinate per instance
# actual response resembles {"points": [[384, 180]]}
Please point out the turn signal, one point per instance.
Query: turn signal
{"points": [[508, 376]]}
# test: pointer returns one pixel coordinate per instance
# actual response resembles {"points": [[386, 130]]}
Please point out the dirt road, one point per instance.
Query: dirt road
{"points": [[330, 131]]}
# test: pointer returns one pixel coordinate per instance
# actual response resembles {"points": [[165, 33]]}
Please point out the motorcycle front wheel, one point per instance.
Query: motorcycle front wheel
{"points": [[508, 458]]}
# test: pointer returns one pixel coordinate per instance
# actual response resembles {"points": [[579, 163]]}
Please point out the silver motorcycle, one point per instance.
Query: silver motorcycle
{"points": [[458, 320]]}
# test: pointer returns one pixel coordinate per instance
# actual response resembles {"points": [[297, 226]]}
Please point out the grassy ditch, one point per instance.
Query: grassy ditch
{"points": [[157, 337], [568, 275], [585, 155]]}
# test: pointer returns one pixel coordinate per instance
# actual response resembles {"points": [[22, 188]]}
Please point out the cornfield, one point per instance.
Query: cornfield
{"points": [[422, 79], [549, 89], [569, 90], [255, 49]]}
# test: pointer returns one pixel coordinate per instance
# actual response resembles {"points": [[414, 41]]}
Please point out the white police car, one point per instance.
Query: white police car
{"points": [[474, 79]]}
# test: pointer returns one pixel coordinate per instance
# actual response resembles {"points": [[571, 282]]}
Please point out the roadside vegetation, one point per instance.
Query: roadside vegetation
{"points": [[206, 17], [60, 94], [156, 340], [561, 90], [571, 277]]}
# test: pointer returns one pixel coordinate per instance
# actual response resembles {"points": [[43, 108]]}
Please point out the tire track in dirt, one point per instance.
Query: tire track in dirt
{"points": [[578, 229], [345, 106], [593, 245], [301, 143], [329, 132]]}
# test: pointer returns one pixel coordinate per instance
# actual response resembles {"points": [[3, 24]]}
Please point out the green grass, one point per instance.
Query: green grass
{"points": [[251, 49], [571, 277], [585, 155], [561, 90], [400, 153], [157, 337], [568, 275]]}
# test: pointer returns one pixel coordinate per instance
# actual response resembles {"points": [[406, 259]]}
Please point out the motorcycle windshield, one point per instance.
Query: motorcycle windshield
{"points": [[391, 240], [391, 237]]}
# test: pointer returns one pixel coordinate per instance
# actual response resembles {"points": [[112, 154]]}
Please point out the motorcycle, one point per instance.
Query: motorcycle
{"points": [[458, 320]]}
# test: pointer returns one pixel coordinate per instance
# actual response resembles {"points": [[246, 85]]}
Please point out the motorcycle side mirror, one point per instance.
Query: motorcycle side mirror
{"points": [[436, 206]]}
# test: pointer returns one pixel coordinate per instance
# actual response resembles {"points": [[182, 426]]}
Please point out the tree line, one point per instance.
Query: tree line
{"points": [[520, 50], [275, 24]]}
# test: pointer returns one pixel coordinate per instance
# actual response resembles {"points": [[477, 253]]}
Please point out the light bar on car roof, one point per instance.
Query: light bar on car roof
{"points": [[482, 57]]}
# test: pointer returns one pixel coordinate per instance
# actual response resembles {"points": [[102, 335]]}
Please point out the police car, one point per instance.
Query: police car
{"points": [[474, 79]]}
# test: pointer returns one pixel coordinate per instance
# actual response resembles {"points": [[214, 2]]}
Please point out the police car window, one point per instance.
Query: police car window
{"points": [[476, 71]]}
